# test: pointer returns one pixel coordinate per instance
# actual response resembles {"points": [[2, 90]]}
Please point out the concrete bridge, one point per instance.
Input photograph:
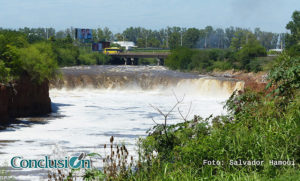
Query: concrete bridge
{"points": [[131, 58]]}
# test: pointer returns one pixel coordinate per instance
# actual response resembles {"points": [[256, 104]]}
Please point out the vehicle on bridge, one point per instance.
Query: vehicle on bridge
{"points": [[112, 51]]}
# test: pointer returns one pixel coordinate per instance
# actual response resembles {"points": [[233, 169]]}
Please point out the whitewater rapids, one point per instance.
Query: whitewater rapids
{"points": [[92, 103]]}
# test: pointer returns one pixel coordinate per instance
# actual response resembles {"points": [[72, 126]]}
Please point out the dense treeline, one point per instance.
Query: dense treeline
{"points": [[242, 54], [170, 37], [209, 48]]}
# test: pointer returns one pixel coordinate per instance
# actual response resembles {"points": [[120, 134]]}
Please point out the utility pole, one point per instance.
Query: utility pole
{"points": [[205, 42], [167, 40], [181, 37], [146, 40]]}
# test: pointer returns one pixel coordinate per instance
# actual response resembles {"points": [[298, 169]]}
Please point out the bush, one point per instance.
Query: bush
{"points": [[249, 52], [94, 58], [4, 73], [87, 59], [216, 54], [200, 61], [222, 65], [179, 58], [18, 57], [38, 60]]}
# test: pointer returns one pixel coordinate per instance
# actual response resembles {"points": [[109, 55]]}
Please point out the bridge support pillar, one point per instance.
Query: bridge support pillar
{"points": [[160, 61], [136, 61], [132, 61], [125, 60]]}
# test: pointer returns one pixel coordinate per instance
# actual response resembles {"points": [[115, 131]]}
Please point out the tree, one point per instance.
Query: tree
{"points": [[179, 58], [249, 50], [191, 37], [118, 37], [229, 34], [107, 34], [294, 27], [38, 60], [293, 39], [174, 37]]}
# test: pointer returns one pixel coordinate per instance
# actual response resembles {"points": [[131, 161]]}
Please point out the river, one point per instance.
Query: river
{"points": [[92, 103]]}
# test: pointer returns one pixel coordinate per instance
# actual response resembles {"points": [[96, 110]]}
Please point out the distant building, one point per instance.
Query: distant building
{"points": [[278, 50], [274, 52], [99, 47], [126, 44], [105, 44]]}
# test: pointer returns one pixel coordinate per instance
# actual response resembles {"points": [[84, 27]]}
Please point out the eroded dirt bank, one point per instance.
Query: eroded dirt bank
{"points": [[24, 98], [253, 81]]}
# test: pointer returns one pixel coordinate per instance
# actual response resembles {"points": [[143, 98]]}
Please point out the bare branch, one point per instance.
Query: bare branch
{"points": [[158, 110], [189, 111], [177, 97], [154, 121], [167, 115], [180, 113]]}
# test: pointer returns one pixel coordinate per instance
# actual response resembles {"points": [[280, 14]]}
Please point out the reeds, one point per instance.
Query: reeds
{"points": [[118, 163]]}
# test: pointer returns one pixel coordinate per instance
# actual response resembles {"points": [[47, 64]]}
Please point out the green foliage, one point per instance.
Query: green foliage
{"points": [[38, 60], [94, 58], [293, 39], [248, 52], [222, 65], [284, 76], [294, 27], [18, 57], [179, 58], [4, 72], [199, 60], [191, 37]]}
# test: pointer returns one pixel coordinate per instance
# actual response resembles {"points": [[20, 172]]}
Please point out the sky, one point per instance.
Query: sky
{"points": [[268, 15]]}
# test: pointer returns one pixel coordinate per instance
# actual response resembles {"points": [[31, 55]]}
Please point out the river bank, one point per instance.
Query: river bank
{"points": [[254, 81], [23, 98]]}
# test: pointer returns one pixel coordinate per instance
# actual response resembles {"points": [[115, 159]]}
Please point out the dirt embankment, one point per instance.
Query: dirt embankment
{"points": [[24, 98], [254, 81]]}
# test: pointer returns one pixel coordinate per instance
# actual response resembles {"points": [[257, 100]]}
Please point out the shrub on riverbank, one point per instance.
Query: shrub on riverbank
{"points": [[18, 57]]}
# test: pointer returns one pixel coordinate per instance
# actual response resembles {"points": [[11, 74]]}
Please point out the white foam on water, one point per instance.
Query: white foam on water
{"points": [[91, 116]]}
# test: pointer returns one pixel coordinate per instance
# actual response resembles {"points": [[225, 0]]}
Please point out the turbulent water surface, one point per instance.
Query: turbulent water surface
{"points": [[93, 103]]}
